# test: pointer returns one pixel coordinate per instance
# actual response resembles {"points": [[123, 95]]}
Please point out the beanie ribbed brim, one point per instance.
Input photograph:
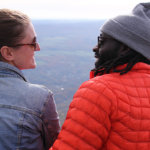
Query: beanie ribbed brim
{"points": [[131, 39]]}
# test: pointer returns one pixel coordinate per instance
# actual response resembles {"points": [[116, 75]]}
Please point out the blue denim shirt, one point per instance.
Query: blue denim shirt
{"points": [[28, 116]]}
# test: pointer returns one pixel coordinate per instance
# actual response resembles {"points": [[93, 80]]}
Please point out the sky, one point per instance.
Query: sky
{"points": [[71, 9]]}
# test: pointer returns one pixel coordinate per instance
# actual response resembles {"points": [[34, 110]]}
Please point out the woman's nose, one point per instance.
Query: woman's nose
{"points": [[37, 47]]}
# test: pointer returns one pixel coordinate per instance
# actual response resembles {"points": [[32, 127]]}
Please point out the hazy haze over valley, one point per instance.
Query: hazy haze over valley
{"points": [[65, 59]]}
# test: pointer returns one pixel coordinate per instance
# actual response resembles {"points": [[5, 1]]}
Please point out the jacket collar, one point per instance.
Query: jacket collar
{"points": [[140, 67], [7, 70]]}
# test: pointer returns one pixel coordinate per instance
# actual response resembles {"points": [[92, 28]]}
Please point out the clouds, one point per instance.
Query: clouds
{"points": [[71, 9]]}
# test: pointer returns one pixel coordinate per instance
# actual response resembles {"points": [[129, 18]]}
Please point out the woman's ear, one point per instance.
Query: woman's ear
{"points": [[7, 53]]}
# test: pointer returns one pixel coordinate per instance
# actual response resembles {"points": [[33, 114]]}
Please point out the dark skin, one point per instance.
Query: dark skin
{"points": [[107, 48], [110, 53]]}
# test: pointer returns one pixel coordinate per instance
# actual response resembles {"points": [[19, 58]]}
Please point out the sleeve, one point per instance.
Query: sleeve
{"points": [[51, 125], [87, 124]]}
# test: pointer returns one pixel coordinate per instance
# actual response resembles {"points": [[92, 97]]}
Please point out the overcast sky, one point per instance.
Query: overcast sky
{"points": [[71, 9]]}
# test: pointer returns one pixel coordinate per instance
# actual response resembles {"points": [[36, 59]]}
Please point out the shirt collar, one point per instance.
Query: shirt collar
{"points": [[11, 70]]}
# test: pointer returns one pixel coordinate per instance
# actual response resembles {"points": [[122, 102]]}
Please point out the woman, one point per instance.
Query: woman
{"points": [[111, 110], [28, 116]]}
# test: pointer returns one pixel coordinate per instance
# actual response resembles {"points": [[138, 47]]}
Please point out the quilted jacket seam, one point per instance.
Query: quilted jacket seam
{"points": [[131, 129], [116, 144], [106, 86], [90, 117], [91, 102], [146, 89], [69, 131], [128, 139], [63, 141], [134, 105], [116, 95]]}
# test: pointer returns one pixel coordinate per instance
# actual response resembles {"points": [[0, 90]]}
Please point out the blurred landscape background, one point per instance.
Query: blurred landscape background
{"points": [[65, 58]]}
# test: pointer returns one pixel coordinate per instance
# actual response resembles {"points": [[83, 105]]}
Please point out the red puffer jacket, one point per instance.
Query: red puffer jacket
{"points": [[109, 112]]}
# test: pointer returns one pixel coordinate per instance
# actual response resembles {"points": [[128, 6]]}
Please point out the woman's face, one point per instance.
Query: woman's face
{"points": [[24, 54]]}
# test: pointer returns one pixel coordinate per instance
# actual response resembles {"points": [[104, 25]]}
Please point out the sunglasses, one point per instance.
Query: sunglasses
{"points": [[101, 39], [35, 44]]}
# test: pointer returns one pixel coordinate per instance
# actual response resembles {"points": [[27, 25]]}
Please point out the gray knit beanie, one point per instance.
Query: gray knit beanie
{"points": [[133, 29]]}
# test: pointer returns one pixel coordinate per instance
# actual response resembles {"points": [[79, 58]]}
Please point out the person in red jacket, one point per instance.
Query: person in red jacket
{"points": [[111, 111]]}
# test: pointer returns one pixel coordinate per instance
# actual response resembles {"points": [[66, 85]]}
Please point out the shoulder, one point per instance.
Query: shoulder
{"points": [[37, 88], [94, 93], [100, 85], [37, 96]]}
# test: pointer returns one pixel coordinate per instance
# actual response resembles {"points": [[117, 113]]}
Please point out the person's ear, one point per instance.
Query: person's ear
{"points": [[7, 53]]}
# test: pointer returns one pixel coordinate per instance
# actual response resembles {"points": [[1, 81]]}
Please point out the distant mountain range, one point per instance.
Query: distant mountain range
{"points": [[66, 57]]}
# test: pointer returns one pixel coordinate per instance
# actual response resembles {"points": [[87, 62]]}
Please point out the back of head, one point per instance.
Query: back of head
{"points": [[12, 26]]}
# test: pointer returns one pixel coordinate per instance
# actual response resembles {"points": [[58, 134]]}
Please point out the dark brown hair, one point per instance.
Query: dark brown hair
{"points": [[12, 26]]}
